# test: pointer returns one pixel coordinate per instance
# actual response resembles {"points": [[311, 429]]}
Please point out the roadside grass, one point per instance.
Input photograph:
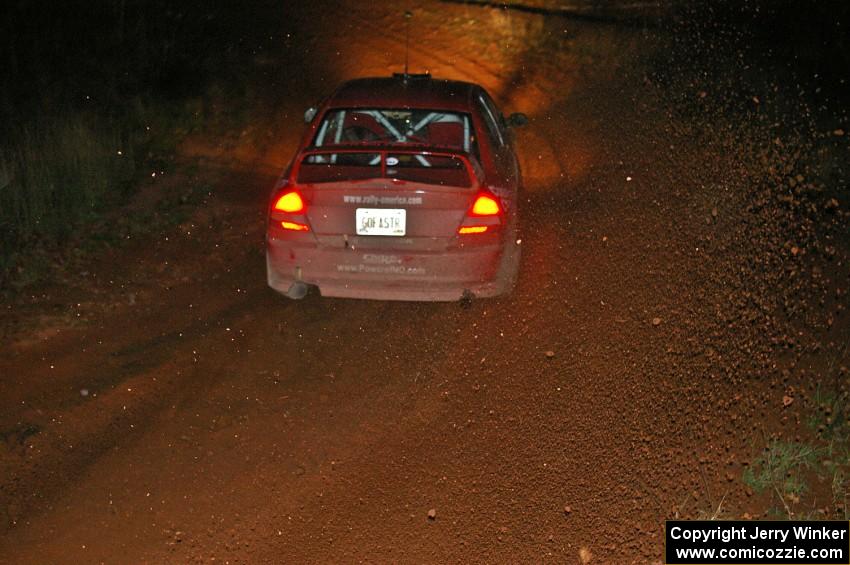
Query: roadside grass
{"points": [[95, 98], [830, 420], [711, 509], [780, 470], [57, 175], [727, 89], [791, 471], [62, 178]]}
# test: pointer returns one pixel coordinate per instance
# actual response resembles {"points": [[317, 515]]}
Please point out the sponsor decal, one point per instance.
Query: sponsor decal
{"points": [[382, 259], [385, 200], [381, 269]]}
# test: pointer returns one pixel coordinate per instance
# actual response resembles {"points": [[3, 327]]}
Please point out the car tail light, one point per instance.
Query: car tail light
{"points": [[485, 205], [291, 203], [288, 211], [484, 215], [294, 226]]}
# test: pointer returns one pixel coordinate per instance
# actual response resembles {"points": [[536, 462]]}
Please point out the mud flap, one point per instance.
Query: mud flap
{"points": [[466, 299], [508, 272]]}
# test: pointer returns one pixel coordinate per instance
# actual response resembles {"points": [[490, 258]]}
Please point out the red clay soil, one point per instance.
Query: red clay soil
{"points": [[169, 407]]}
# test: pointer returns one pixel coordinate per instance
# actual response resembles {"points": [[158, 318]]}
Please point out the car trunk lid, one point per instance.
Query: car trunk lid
{"points": [[386, 199]]}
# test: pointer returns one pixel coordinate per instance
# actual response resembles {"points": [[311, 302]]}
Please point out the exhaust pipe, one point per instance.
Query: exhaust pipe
{"points": [[297, 291]]}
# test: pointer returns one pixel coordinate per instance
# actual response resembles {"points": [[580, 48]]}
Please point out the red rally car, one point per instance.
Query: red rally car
{"points": [[403, 188]]}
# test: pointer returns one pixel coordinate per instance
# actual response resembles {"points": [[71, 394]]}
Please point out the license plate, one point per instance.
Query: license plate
{"points": [[381, 221]]}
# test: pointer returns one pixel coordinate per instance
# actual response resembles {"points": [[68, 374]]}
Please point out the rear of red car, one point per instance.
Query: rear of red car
{"points": [[383, 236], [389, 205]]}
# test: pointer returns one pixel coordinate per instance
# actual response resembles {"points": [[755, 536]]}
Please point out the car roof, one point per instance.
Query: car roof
{"points": [[418, 91]]}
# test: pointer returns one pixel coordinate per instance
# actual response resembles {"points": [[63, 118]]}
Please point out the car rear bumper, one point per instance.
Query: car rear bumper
{"points": [[386, 274]]}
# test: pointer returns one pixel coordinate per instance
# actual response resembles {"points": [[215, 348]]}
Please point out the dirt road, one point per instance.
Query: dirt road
{"points": [[174, 409]]}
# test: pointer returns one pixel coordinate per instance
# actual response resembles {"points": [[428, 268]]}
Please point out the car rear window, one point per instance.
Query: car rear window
{"points": [[406, 127], [422, 167]]}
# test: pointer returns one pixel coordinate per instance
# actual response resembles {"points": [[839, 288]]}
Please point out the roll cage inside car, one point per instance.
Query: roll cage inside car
{"points": [[422, 127], [350, 163]]}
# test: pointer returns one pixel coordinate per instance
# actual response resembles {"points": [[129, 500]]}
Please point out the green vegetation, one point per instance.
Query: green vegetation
{"points": [[92, 92], [829, 418], [62, 174], [780, 470], [788, 470], [55, 177], [831, 422]]}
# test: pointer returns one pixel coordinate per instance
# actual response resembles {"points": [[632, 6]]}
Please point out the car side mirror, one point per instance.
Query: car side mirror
{"points": [[309, 114], [517, 120]]}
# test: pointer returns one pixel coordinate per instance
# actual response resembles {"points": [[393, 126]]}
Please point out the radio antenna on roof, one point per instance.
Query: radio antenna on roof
{"points": [[407, 15]]}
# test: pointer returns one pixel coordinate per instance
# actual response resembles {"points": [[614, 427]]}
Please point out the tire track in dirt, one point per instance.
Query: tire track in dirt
{"points": [[100, 394]]}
